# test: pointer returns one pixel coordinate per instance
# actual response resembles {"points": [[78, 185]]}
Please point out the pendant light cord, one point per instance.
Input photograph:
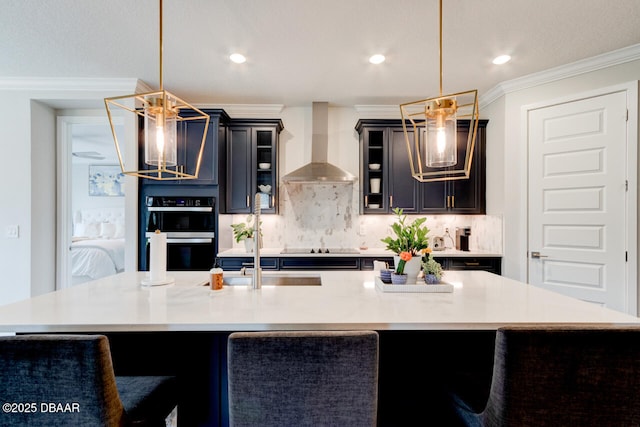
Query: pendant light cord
{"points": [[161, 83], [440, 50]]}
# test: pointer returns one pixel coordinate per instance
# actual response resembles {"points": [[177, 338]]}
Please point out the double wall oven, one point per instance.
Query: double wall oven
{"points": [[190, 224]]}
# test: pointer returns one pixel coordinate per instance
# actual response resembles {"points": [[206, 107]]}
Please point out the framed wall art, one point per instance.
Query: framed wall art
{"points": [[106, 180]]}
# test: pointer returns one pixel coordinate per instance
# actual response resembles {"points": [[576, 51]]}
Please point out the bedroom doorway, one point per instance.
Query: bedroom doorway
{"points": [[90, 202]]}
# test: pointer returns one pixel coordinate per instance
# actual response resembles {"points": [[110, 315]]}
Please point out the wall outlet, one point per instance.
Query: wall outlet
{"points": [[12, 231]]}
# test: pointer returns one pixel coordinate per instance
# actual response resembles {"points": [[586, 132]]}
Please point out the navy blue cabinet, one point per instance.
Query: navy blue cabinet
{"points": [[235, 263], [462, 196], [252, 165], [382, 143], [384, 160]]}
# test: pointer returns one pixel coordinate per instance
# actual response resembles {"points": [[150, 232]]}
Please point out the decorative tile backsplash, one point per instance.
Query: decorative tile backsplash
{"points": [[326, 215]]}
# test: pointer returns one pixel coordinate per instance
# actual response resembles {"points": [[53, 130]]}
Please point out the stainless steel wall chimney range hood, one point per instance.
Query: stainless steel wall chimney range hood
{"points": [[319, 170]]}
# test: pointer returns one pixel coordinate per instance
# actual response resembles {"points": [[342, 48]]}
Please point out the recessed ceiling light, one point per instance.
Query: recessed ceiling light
{"points": [[502, 59], [237, 58], [377, 59]]}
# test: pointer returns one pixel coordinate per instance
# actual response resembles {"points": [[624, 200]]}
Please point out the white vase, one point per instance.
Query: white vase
{"points": [[248, 244], [411, 267]]}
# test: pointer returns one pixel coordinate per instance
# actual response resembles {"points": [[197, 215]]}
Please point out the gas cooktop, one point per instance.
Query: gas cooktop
{"points": [[320, 251]]}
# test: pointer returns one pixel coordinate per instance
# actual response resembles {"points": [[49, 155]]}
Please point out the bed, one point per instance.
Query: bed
{"points": [[97, 245]]}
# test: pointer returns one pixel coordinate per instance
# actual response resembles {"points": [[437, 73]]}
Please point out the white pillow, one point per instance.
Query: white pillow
{"points": [[79, 230], [107, 230], [92, 229], [119, 233]]}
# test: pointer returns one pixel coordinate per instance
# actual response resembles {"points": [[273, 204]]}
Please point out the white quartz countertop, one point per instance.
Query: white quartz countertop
{"points": [[369, 252], [346, 300]]}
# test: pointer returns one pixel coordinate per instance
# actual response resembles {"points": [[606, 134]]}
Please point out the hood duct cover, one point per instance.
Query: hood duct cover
{"points": [[319, 170]]}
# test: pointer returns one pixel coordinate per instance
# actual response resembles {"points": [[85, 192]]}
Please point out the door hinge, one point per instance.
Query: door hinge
{"points": [[627, 118], [626, 256], [626, 185]]}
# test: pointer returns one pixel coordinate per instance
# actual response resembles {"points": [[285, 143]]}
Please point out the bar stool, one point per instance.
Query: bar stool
{"points": [[561, 376], [303, 378], [64, 380]]}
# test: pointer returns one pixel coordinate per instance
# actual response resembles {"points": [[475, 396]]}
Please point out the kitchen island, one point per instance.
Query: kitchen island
{"points": [[428, 340], [345, 300]]}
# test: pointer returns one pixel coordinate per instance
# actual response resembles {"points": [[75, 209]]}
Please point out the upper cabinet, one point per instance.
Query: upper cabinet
{"points": [[382, 143], [252, 165], [191, 132]]}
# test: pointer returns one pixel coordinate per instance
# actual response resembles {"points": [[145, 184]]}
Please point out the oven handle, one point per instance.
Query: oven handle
{"points": [[179, 209], [189, 240]]}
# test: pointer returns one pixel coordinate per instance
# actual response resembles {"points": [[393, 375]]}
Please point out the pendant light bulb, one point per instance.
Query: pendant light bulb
{"points": [[441, 140]]}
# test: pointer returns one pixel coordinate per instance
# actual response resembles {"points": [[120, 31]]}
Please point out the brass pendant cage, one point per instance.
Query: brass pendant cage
{"points": [[146, 105], [414, 122]]}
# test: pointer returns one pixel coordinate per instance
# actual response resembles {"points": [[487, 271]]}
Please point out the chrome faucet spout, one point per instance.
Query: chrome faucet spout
{"points": [[257, 271]]}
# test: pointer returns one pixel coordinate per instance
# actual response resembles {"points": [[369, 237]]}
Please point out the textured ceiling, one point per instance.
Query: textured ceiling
{"points": [[301, 51]]}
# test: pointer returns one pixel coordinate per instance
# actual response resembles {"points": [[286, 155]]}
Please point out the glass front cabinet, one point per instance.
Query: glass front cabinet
{"points": [[386, 180]]}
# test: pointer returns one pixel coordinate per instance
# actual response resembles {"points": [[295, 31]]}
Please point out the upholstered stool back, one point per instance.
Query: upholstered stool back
{"points": [[68, 380], [303, 378], [562, 376]]}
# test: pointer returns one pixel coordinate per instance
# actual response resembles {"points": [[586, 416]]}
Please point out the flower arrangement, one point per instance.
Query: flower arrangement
{"points": [[243, 230], [430, 265], [409, 237], [404, 257]]}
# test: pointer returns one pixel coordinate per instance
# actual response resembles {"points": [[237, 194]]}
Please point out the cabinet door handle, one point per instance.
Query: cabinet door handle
{"points": [[248, 198], [366, 201], [390, 201], [453, 201], [470, 264], [448, 201], [273, 201]]}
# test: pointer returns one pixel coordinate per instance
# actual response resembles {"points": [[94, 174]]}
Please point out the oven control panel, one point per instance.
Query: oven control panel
{"points": [[179, 202]]}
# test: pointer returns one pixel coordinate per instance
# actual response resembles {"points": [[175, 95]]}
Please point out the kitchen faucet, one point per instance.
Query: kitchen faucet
{"points": [[257, 271]]}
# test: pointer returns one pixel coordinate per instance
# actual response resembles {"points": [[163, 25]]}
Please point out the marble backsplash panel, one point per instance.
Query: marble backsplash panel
{"points": [[326, 215]]}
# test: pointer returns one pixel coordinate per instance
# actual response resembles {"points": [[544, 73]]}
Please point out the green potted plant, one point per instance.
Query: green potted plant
{"points": [[432, 269], [408, 236], [245, 231]]}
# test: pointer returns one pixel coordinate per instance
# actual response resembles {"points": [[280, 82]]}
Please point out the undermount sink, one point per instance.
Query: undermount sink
{"points": [[273, 280]]}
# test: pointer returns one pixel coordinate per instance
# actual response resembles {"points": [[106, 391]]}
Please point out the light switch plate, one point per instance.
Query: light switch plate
{"points": [[12, 231]]}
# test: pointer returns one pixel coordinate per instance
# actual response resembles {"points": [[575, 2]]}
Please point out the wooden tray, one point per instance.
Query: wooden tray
{"points": [[419, 287]]}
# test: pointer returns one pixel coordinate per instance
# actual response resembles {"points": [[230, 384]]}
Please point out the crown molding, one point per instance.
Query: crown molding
{"points": [[248, 110], [379, 111], [73, 84], [594, 63]]}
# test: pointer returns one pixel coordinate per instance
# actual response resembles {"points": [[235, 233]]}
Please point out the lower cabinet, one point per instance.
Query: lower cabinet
{"points": [[320, 263], [490, 264], [493, 265], [236, 263]]}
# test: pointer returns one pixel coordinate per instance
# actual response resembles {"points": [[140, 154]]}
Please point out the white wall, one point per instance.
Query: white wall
{"points": [[15, 196], [43, 197]]}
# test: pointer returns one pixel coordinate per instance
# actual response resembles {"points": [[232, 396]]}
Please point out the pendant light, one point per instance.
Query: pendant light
{"points": [[162, 114], [431, 132]]}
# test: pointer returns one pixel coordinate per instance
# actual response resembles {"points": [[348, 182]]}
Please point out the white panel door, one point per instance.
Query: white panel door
{"points": [[577, 199]]}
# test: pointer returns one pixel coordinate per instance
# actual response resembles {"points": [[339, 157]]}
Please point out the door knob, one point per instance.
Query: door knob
{"points": [[537, 255]]}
